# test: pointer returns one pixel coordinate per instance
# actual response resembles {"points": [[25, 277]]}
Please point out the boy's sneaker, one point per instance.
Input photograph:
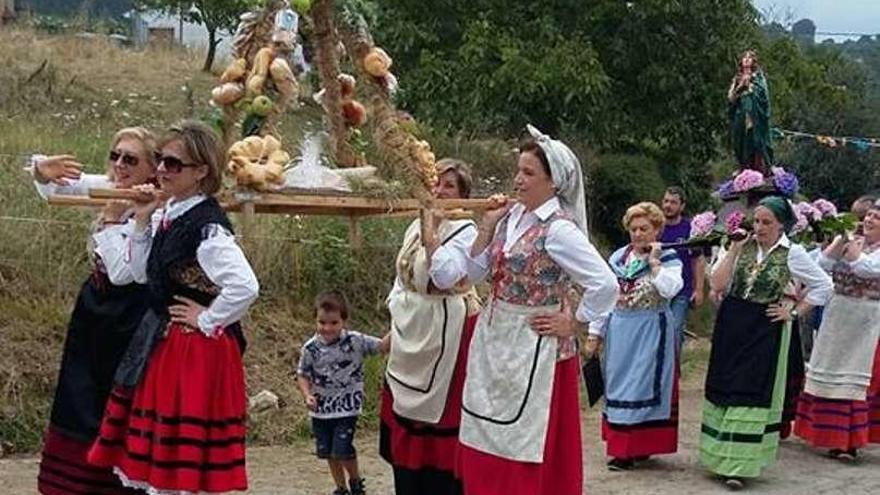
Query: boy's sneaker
{"points": [[341, 491], [357, 486]]}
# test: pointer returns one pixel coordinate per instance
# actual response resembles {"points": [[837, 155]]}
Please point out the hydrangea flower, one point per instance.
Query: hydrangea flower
{"points": [[733, 221], [826, 207], [801, 224], [703, 223], [785, 182], [748, 179], [809, 212], [726, 189]]}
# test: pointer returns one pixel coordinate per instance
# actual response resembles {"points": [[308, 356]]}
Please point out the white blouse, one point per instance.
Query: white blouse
{"points": [[75, 187], [218, 255], [569, 247], [803, 267], [111, 242]]}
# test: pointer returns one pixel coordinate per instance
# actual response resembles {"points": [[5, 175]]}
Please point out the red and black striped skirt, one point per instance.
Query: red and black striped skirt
{"points": [[183, 427], [64, 469], [841, 424]]}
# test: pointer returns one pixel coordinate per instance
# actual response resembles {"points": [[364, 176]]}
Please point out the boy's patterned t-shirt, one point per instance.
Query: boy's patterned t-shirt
{"points": [[336, 372]]}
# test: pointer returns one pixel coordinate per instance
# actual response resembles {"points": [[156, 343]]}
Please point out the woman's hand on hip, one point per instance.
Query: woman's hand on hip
{"points": [[186, 313]]}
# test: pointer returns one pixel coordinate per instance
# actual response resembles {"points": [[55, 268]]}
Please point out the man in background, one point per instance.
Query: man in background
{"points": [[678, 229]]}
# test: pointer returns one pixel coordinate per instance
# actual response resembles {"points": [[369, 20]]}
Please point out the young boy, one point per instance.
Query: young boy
{"points": [[331, 378]]}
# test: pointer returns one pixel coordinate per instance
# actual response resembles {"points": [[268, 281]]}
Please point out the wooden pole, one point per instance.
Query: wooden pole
{"points": [[248, 211], [355, 234]]}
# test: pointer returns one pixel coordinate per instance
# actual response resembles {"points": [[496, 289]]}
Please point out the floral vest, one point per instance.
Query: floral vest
{"points": [[848, 283], [528, 276], [763, 282], [637, 290]]}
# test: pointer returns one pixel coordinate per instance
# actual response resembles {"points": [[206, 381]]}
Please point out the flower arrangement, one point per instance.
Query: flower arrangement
{"points": [[734, 221], [825, 207], [785, 182], [706, 231], [747, 180], [780, 181], [703, 224]]}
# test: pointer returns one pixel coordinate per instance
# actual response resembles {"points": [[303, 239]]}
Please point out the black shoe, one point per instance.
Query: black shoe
{"points": [[642, 458], [843, 455], [357, 486], [340, 491], [734, 484], [618, 464], [848, 455]]}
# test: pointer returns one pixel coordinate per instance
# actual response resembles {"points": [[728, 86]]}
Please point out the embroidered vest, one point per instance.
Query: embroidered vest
{"points": [[639, 292], [763, 282], [527, 276]]}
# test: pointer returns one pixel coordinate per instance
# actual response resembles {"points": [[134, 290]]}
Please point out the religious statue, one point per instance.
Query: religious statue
{"points": [[749, 114]]}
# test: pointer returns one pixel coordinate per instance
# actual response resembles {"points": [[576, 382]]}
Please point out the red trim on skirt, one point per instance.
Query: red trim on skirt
{"points": [[644, 439], [561, 473], [183, 427], [64, 469], [841, 424], [414, 445]]}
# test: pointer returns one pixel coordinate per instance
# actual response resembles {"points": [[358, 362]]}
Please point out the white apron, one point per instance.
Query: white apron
{"points": [[509, 384], [426, 335]]}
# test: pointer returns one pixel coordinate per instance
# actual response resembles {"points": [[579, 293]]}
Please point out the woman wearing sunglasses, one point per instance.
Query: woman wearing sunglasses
{"points": [[175, 421], [108, 309]]}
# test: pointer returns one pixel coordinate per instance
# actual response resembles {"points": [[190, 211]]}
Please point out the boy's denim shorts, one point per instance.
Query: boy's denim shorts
{"points": [[334, 438]]}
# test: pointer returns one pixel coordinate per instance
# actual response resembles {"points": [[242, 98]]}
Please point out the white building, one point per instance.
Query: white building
{"points": [[157, 27]]}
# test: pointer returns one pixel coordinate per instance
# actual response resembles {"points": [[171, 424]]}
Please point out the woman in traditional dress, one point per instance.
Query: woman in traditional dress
{"points": [[840, 407], [745, 384], [520, 426], [175, 421], [108, 309], [433, 312], [749, 114], [641, 366]]}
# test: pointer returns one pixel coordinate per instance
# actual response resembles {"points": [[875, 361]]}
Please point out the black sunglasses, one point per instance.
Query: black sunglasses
{"points": [[173, 164], [128, 160]]}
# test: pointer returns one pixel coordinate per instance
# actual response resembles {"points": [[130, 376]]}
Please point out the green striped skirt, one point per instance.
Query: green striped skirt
{"points": [[741, 441]]}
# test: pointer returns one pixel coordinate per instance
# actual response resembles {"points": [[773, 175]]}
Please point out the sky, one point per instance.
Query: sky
{"points": [[859, 16]]}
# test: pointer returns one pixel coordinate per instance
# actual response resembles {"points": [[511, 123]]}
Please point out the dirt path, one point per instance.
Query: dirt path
{"points": [[292, 470]]}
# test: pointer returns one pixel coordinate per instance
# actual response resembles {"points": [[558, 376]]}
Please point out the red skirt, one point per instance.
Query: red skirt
{"points": [[841, 424], [561, 473], [65, 470], [183, 426], [644, 439], [414, 445]]}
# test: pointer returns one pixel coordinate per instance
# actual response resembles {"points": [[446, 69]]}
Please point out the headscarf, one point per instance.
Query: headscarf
{"points": [[782, 210], [565, 169]]}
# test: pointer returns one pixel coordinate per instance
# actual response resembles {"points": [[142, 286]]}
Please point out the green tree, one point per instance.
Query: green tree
{"points": [[215, 15], [821, 90], [644, 77]]}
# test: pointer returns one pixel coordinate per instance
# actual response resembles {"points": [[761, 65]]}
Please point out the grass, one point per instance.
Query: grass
{"points": [[62, 94]]}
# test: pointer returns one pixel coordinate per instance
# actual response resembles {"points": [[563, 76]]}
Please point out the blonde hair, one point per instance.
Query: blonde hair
{"points": [[647, 210], [203, 146], [141, 135], [462, 172]]}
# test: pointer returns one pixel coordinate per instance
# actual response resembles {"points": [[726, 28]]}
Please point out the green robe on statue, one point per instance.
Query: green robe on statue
{"points": [[749, 117]]}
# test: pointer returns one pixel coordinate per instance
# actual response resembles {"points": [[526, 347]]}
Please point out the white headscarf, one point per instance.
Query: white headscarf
{"points": [[565, 168]]}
